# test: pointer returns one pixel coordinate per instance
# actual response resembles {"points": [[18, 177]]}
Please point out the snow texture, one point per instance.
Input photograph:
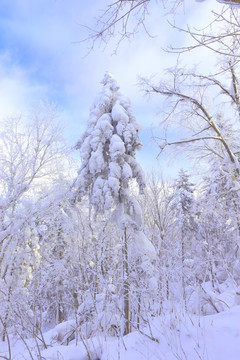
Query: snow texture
{"points": [[213, 337], [108, 149]]}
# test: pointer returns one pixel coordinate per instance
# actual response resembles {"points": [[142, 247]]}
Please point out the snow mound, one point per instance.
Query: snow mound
{"points": [[177, 336]]}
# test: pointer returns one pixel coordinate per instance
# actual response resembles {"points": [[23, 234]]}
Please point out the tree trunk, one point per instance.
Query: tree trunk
{"points": [[60, 307], [6, 315], [183, 270], [138, 312], [126, 304]]}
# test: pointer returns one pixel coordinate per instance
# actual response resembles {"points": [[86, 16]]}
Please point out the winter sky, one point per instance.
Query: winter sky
{"points": [[41, 58]]}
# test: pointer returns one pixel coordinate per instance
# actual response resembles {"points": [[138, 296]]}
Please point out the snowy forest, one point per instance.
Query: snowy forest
{"points": [[101, 260]]}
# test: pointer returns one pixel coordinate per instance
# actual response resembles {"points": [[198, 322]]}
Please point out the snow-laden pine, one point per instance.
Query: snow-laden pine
{"points": [[108, 148]]}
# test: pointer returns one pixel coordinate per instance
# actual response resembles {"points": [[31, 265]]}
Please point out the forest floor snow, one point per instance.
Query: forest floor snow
{"points": [[179, 335]]}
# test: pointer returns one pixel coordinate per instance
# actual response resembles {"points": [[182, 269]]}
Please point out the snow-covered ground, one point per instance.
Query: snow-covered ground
{"points": [[178, 335]]}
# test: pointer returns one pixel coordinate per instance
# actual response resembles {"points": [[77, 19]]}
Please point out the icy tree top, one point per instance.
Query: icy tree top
{"points": [[108, 149], [110, 81]]}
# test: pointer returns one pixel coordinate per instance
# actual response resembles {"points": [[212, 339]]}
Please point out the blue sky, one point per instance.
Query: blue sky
{"points": [[41, 59]]}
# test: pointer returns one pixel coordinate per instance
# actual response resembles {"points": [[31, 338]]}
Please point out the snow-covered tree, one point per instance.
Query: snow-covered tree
{"points": [[108, 150], [220, 236], [29, 159], [158, 218], [182, 204], [108, 166], [54, 286]]}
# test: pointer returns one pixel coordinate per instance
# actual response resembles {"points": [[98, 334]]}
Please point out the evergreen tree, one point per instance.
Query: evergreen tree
{"points": [[109, 164], [185, 226], [108, 152]]}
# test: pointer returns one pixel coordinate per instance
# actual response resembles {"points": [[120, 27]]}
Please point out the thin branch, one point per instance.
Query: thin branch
{"points": [[207, 117], [180, 142], [8, 340]]}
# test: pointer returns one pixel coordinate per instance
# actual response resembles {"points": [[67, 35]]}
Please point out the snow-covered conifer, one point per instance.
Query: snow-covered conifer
{"points": [[108, 149], [184, 225]]}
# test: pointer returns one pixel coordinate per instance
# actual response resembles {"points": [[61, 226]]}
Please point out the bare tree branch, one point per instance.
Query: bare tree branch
{"points": [[196, 108]]}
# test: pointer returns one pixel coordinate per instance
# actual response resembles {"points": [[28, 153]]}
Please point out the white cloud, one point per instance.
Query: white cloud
{"points": [[17, 92], [48, 64]]}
